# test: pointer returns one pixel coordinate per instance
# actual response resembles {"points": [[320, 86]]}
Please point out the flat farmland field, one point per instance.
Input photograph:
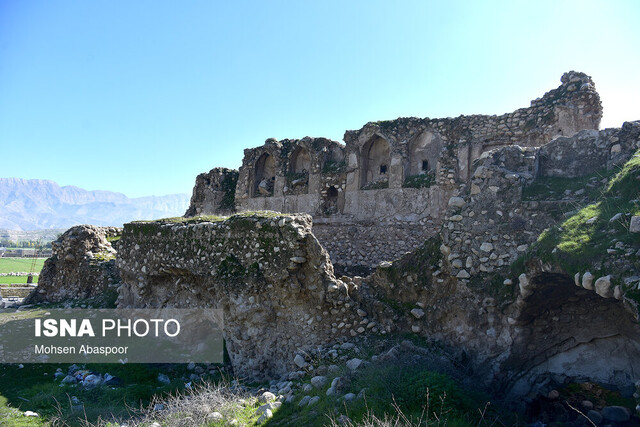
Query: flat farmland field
{"points": [[16, 279], [10, 265]]}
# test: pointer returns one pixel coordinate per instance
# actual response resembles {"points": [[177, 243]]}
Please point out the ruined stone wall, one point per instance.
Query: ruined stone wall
{"points": [[459, 289], [455, 143], [527, 331], [587, 152], [387, 154], [267, 272], [288, 169], [214, 192], [82, 266], [276, 285], [358, 247], [397, 172], [489, 225]]}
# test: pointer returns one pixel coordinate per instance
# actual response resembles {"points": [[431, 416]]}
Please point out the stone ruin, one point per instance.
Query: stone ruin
{"points": [[385, 190], [276, 285], [82, 266], [450, 278]]}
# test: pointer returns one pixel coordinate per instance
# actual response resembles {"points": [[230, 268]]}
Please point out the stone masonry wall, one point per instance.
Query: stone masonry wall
{"points": [[82, 266], [398, 171], [359, 247], [488, 226], [268, 273], [214, 192]]}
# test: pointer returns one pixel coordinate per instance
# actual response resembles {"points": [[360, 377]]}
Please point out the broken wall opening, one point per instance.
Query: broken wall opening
{"points": [[333, 159], [570, 334], [330, 198]]}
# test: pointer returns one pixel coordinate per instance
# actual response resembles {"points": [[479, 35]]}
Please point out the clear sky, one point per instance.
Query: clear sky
{"points": [[141, 96]]}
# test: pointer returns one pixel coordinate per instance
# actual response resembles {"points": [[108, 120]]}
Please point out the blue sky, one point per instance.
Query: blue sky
{"points": [[141, 96]]}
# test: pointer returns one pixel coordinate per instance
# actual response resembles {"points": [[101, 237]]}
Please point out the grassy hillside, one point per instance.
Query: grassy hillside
{"points": [[596, 237]]}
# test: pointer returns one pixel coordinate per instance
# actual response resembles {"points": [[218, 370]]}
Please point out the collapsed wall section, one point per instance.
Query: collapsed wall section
{"points": [[82, 265], [214, 192], [490, 224], [267, 272]]}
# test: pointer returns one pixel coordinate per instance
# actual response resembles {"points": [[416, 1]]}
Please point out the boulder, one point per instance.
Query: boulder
{"points": [[587, 281], [318, 381], [615, 413], [603, 287]]}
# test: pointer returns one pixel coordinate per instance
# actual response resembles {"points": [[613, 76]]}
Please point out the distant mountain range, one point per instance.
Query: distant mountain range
{"points": [[33, 204]]}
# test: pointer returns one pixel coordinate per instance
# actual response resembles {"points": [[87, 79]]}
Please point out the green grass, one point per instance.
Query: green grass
{"points": [[331, 167], [595, 393], [37, 391], [414, 390], [16, 279], [292, 176], [10, 416], [103, 256], [32, 388], [553, 188], [10, 265], [580, 243], [210, 218], [182, 220], [112, 239], [375, 185]]}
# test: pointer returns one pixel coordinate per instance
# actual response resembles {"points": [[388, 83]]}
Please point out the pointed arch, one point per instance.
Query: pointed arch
{"points": [[375, 160], [264, 175], [300, 161]]}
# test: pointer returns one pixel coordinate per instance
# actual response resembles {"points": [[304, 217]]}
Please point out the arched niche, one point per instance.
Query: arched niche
{"points": [[423, 155], [298, 172], [300, 161], [375, 162], [264, 176]]}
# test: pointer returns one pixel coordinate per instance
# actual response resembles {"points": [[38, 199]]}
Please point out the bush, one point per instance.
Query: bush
{"points": [[424, 180]]}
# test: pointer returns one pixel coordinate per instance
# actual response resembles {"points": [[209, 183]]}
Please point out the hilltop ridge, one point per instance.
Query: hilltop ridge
{"points": [[31, 204]]}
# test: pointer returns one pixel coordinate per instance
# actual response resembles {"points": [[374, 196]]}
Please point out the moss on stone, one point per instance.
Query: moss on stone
{"points": [[424, 180], [493, 285], [332, 167], [230, 267], [229, 184]]}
